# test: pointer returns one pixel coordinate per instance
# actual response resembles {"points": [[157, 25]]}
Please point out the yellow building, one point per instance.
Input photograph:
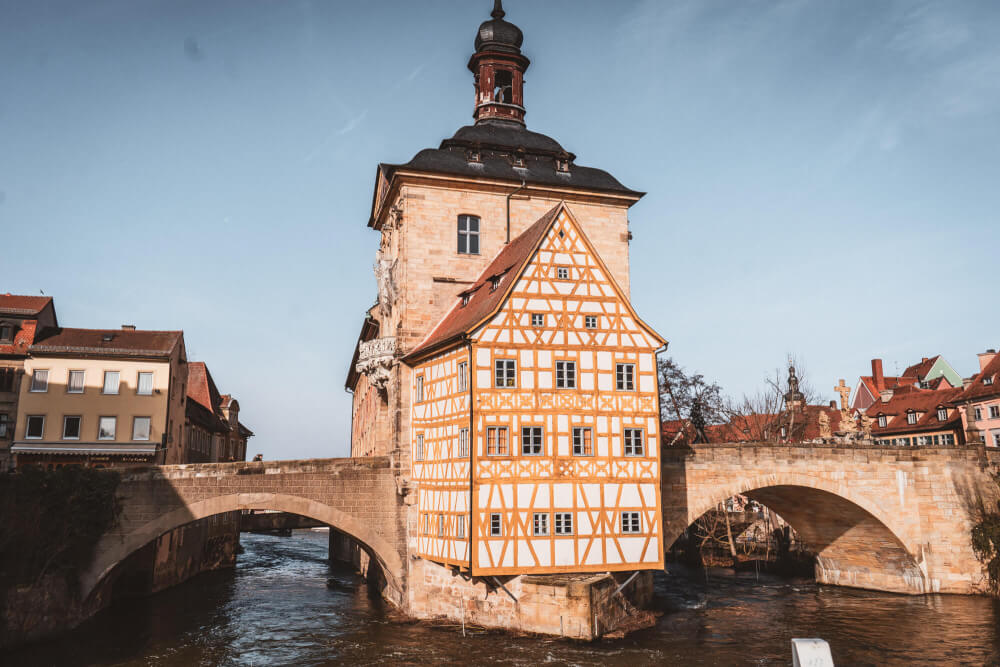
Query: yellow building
{"points": [[535, 419], [102, 397]]}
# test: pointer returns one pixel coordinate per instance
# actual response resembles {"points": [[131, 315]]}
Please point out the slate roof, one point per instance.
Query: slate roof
{"points": [[122, 342], [17, 304]]}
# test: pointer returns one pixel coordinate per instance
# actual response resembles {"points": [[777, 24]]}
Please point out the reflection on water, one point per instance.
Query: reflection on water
{"points": [[276, 609]]}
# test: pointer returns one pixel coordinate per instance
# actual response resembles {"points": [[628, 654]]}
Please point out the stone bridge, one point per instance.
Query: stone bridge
{"points": [[891, 519], [355, 496]]}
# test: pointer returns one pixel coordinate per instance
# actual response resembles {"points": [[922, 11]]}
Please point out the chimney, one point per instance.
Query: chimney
{"points": [[128, 327], [923, 360], [877, 375], [985, 358]]}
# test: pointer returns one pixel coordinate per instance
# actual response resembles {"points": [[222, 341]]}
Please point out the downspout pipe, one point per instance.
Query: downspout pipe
{"points": [[509, 195]]}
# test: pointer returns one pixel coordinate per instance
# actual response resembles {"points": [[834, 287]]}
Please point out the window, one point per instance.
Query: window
{"points": [[111, 382], [564, 523], [911, 417], [35, 428], [503, 84], [988, 379], [540, 524], [562, 273], [633, 442], [630, 522], [942, 414], [625, 377], [590, 321], [140, 428], [994, 411], [420, 388], [504, 372], [463, 442], [440, 525], [4, 421], [882, 421], [948, 439], [496, 441], [996, 438], [6, 332], [71, 428], [537, 320], [420, 447], [460, 526], [465, 299], [496, 526], [582, 442], [565, 375], [468, 235], [463, 376], [75, 385], [495, 283], [40, 380], [531, 440], [144, 387], [106, 428], [979, 413]]}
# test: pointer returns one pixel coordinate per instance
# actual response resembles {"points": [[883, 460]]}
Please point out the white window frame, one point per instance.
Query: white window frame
{"points": [[463, 376], [440, 525], [565, 374], [496, 524], [138, 383], [911, 418], [419, 454], [529, 441], [942, 414], [27, 428], [463, 443], [419, 390], [505, 373], [882, 421], [563, 523], [994, 411], [988, 380], [978, 412], [626, 445], [538, 319], [631, 523], [996, 438], [590, 321], [562, 273], [149, 428], [540, 524], [625, 376], [69, 381], [579, 442], [460, 526], [506, 440], [114, 427], [118, 383], [468, 234], [39, 381], [79, 427]]}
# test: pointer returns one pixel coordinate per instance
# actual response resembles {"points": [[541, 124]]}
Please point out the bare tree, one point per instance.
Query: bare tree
{"points": [[761, 415], [689, 399]]}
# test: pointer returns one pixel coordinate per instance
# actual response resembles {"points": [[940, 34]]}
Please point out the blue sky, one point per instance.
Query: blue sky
{"points": [[822, 176]]}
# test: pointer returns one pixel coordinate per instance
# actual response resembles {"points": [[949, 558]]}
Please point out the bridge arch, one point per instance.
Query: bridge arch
{"points": [[112, 549], [858, 543]]}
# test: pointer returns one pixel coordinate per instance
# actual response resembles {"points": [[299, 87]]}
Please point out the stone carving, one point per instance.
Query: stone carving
{"points": [[376, 359], [844, 392], [866, 426], [847, 425], [824, 426], [385, 269]]}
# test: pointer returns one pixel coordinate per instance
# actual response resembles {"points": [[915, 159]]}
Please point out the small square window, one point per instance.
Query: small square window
{"points": [[504, 372], [583, 442], [564, 523], [111, 382], [531, 440], [141, 428], [537, 320], [75, 385], [565, 375], [590, 321], [631, 522], [562, 273], [40, 381], [633, 442], [496, 525], [463, 376], [625, 377], [540, 524], [35, 428], [144, 387], [71, 428], [106, 428]]}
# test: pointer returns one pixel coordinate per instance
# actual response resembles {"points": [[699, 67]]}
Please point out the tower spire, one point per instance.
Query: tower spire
{"points": [[498, 12], [499, 69]]}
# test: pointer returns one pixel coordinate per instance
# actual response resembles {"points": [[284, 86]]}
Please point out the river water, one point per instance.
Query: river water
{"points": [[275, 609]]}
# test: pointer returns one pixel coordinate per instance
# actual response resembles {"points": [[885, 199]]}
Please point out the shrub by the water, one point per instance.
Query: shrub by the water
{"points": [[986, 544]]}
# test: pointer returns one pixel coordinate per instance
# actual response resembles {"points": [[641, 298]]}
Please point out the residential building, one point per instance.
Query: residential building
{"points": [[979, 401], [20, 318], [212, 431], [535, 416], [931, 373], [909, 416], [102, 397]]}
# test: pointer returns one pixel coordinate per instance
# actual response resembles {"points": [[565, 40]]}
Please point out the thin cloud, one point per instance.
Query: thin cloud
{"points": [[352, 124]]}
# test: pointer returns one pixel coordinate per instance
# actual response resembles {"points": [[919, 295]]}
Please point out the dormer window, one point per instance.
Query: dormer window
{"points": [[6, 333], [495, 282], [562, 165], [911, 417], [942, 414], [475, 156], [518, 160], [988, 380], [882, 421], [465, 299]]}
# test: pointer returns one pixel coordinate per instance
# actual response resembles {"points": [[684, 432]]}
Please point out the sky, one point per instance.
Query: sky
{"points": [[822, 177]]}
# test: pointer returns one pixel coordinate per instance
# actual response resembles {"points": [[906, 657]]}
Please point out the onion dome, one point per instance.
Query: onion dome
{"points": [[497, 34]]}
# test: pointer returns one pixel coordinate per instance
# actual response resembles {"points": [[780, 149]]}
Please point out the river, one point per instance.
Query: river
{"points": [[275, 609]]}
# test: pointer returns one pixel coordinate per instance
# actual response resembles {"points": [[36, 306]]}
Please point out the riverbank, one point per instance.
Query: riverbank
{"points": [[275, 608]]}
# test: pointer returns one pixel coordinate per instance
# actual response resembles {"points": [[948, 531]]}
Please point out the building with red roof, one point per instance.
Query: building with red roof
{"points": [[911, 416], [979, 401], [212, 430], [931, 373]]}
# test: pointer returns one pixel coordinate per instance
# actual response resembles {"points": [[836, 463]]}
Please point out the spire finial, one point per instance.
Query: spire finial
{"points": [[498, 12]]}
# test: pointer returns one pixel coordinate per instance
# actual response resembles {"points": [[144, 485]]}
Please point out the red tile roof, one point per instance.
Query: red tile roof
{"points": [[976, 389], [483, 300], [23, 338], [201, 387], [921, 370], [107, 342], [17, 304], [923, 401]]}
